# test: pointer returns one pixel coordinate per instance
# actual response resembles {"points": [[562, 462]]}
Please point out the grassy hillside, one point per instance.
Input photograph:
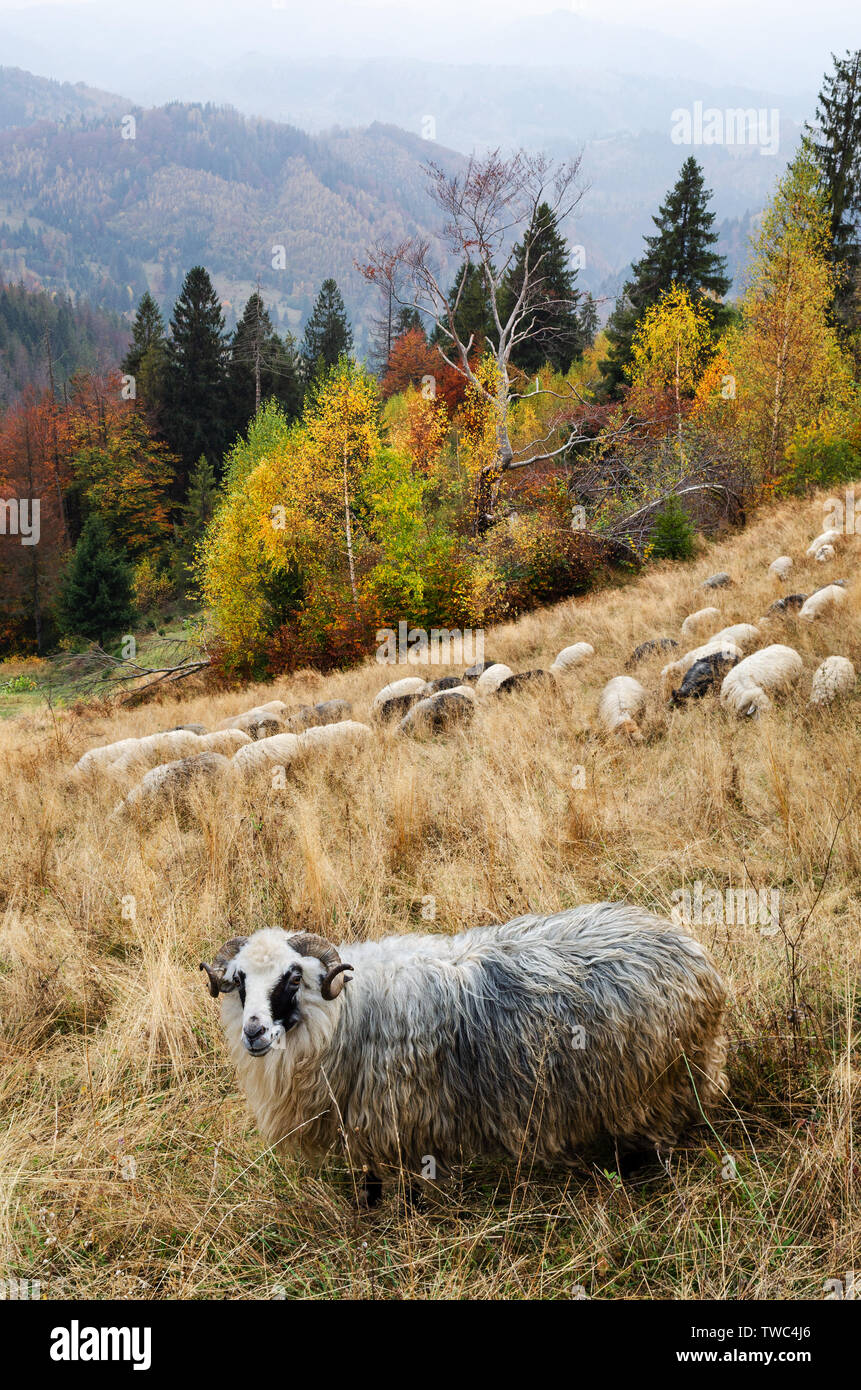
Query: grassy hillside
{"points": [[128, 1164]]}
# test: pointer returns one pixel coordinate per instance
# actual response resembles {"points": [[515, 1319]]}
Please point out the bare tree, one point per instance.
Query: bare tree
{"points": [[485, 207]]}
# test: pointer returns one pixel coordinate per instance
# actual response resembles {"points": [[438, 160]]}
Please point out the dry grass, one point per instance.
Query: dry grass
{"points": [[128, 1165]]}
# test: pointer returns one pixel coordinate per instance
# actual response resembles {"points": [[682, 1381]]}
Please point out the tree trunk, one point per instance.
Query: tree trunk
{"points": [[349, 528]]}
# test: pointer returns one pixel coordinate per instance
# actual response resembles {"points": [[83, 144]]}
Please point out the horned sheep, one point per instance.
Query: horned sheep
{"points": [[747, 688], [543, 1036]]}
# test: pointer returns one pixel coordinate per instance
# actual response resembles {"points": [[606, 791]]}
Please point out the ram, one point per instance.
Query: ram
{"points": [[534, 1039]]}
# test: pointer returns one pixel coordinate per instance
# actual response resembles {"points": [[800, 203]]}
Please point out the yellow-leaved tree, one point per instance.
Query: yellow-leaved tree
{"points": [[671, 348]]}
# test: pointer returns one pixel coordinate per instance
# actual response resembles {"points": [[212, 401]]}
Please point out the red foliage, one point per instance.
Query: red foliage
{"points": [[413, 357]]}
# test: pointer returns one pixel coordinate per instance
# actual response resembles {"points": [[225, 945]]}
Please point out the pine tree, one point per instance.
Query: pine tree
{"points": [[673, 533], [96, 597], [473, 317], [588, 316], [146, 357], [678, 253], [556, 335], [195, 419], [200, 503], [836, 145], [328, 335], [261, 366]]}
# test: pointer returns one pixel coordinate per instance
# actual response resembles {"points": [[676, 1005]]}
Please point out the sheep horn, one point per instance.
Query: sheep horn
{"points": [[307, 944], [215, 971]]}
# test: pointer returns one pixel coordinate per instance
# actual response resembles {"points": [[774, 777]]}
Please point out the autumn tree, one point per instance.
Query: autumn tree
{"points": [[670, 351], [786, 358], [415, 362]]}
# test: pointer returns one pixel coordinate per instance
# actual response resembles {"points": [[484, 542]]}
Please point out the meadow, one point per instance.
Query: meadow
{"points": [[129, 1166]]}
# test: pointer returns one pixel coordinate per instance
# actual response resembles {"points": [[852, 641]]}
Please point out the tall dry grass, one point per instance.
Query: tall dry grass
{"points": [[128, 1165]]}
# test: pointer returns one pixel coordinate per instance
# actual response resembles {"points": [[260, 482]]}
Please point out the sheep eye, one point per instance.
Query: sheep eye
{"points": [[240, 986]]}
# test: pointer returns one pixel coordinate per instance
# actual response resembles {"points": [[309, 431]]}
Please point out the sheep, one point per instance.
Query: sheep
{"points": [[258, 722], [822, 602], [438, 712], [473, 672], [523, 679], [825, 553], [445, 683], [742, 635], [702, 623], [191, 728], [677, 670], [781, 566], [572, 656], [130, 753], [657, 644], [717, 581], [832, 680], [622, 701], [282, 749], [410, 685], [492, 678], [788, 604], [827, 538], [773, 669], [700, 677], [307, 716], [540, 1037], [170, 783]]}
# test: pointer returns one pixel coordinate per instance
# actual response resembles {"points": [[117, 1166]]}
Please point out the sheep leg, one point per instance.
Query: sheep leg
{"points": [[373, 1190]]}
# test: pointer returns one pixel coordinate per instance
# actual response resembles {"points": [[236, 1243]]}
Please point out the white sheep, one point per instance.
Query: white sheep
{"points": [[745, 688], [573, 656], [491, 679], [833, 679], [822, 603], [827, 538], [622, 702], [675, 672], [258, 722], [410, 685], [825, 553], [282, 749], [743, 635], [172, 782], [702, 623], [781, 566]]}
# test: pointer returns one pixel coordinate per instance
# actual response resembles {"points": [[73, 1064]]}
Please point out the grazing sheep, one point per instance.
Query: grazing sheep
{"points": [[832, 680], [702, 623], [409, 685], [225, 741], [307, 716], [600, 1025], [743, 635], [191, 728], [657, 644], [333, 735], [827, 538], [746, 687], [258, 723], [825, 553], [702, 676], [788, 604], [473, 672], [573, 656], [143, 753], [677, 670], [445, 683], [717, 581], [781, 566], [623, 699], [492, 678], [823, 602], [525, 679], [438, 712], [285, 748], [170, 784]]}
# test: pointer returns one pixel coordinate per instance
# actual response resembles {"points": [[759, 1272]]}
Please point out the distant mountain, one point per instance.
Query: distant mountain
{"points": [[25, 98], [106, 209]]}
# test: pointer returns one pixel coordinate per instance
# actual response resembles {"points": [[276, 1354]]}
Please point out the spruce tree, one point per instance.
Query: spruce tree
{"points": [[262, 366], [95, 599], [551, 302], [836, 144], [679, 253], [196, 417], [200, 502], [473, 317], [328, 335], [146, 357]]}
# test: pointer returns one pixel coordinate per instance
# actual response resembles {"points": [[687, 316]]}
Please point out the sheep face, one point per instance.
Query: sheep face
{"points": [[274, 985]]}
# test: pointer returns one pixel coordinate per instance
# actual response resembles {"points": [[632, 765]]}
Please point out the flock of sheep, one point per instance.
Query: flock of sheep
{"points": [[270, 736]]}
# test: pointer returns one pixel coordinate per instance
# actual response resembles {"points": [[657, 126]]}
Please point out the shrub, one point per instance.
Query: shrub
{"points": [[673, 534]]}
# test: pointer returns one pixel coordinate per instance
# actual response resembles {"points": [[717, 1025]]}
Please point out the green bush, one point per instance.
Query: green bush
{"points": [[674, 534]]}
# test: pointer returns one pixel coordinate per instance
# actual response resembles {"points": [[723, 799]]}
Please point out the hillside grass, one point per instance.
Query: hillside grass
{"points": [[128, 1164]]}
